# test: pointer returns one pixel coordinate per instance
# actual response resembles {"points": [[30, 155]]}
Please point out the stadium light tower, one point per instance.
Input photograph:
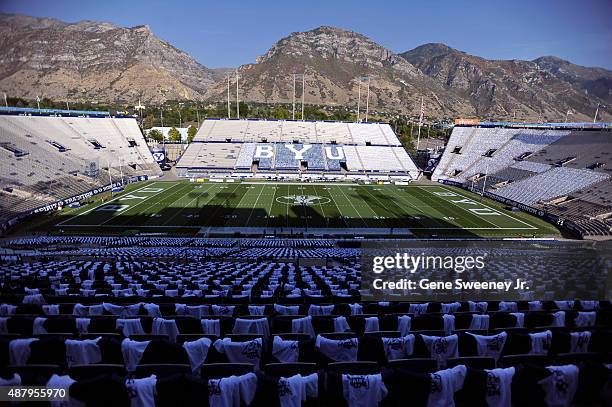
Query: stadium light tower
{"points": [[597, 111], [180, 116], [237, 99], [161, 114], [361, 80], [228, 101], [421, 118], [367, 100], [303, 92], [293, 108], [139, 107], [358, 97]]}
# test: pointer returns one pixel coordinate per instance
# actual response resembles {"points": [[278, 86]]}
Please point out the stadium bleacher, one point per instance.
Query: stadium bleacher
{"points": [[565, 173], [43, 173], [297, 147], [156, 325]]}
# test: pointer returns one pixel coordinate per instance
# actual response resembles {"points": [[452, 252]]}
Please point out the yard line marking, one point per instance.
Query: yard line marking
{"points": [[320, 204], [351, 203], [271, 205], [511, 217], [337, 207], [143, 201], [303, 206], [212, 215], [383, 205], [189, 203], [253, 206], [103, 203]]}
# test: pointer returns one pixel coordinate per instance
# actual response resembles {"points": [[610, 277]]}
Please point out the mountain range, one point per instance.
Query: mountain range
{"points": [[103, 62]]}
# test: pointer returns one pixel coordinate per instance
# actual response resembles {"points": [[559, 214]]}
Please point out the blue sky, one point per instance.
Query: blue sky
{"points": [[230, 33]]}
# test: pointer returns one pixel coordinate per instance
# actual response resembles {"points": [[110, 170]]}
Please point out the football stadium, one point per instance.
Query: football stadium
{"points": [[285, 262], [250, 263]]}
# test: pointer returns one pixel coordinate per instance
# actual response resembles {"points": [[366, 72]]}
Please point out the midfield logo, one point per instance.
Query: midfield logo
{"points": [[159, 156], [303, 200]]}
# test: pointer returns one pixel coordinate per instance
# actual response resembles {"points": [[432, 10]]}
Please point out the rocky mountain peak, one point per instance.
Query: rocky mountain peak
{"points": [[95, 61]]}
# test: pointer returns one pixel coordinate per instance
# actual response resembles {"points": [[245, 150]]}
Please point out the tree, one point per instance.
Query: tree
{"points": [[174, 135], [191, 132], [244, 109], [155, 135], [282, 113]]}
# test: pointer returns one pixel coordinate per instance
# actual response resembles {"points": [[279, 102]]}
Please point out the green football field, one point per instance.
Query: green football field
{"points": [[190, 208]]}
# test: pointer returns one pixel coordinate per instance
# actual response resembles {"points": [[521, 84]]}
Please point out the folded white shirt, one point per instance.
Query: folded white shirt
{"points": [[131, 326], [142, 391], [479, 321], [444, 384], [442, 348], [232, 391], [19, 350], [197, 351], [287, 309], [303, 326], [285, 351], [371, 324], [363, 390], [490, 345], [341, 325], [585, 319], [316, 310], [167, 327], [560, 387], [240, 352], [404, 324], [499, 387], [398, 348], [132, 352], [540, 343], [211, 326], [252, 326], [82, 352], [294, 390], [338, 350]]}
